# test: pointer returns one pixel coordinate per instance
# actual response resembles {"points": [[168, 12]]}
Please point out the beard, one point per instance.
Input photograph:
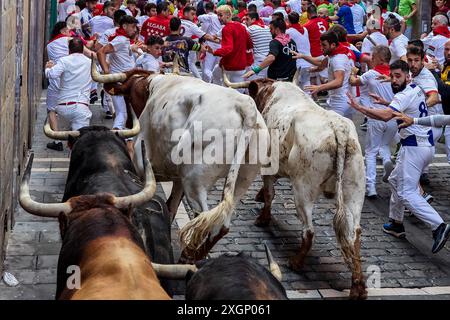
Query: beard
{"points": [[396, 89]]}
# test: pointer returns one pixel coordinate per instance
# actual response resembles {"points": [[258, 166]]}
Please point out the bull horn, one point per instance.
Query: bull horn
{"points": [[173, 271], [146, 194], [176, 65], [105, 78], [39, 209], [296, 76], [235, 85], [273, 266], [129, 133], [58, 135]]}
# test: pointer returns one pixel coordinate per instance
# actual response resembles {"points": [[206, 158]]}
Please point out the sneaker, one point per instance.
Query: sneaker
{"points": [[363, 125], [371, 192], [428, 197], [58, 146], [440, 236], [94, 97], [108, 115], [395, 229], [388, 167], [424, 180]]}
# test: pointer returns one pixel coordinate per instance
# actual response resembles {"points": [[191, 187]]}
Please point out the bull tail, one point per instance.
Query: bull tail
{"points": [[340, 221], [210, 223]]}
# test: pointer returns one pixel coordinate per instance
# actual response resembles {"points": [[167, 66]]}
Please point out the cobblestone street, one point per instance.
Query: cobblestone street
{"points": [[407, 267]]}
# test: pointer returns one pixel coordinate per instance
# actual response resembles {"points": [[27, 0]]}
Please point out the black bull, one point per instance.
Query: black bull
{"points": [[100, 163]]}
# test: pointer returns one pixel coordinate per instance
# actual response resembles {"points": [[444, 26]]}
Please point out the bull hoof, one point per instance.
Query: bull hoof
{"points": [[262, 221], [296, 264], [358, 290], [260, 196]]}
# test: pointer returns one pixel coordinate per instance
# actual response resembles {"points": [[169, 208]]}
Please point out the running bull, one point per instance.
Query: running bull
{"points": [[96, 226], [319, 152], [191, 107]]}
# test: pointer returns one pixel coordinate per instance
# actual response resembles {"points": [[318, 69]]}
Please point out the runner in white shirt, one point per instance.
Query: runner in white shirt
{"points": [[435, 41], [423, 77], [399, 42], [379, 133], [358, 17], [300, 36], [75, 75], [191, 30], [415, 154], [295, 5], [120, 60], [151, 59], [99, 24], [261, 37], [374, 38], [65, 8], [86, 15], [149, 11], [210, 24]]}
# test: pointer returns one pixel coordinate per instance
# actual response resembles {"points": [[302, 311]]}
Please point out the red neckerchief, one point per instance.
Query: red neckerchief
{"points": [[120, 32], [180, 13], [340, 49], [442, 30], [283, 38], [258, 22], [382, 69], [298, 27], [350, 54], [61, 1], [73, 34], [271, 5], [348, 4], [59, 36]]}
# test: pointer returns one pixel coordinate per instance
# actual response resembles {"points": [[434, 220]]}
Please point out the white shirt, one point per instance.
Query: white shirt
{"points": [[411, 102], [295, 5], [141, 20], [282, 10], [377, 37], [121, 59], [74, 72], [398, 47], [210, 24], [189, 29], [259, 4], [261, 38], [434, 46], [148, 62], [427, 82], [85, 16], [58, 48], [303, 45], [65, 8], [339, 62], [100, 24], [382, 89], [358, 17], [103, 40]]}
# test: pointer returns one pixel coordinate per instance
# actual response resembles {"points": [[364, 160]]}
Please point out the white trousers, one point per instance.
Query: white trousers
{"points": [[78, 115], [208, 66], [437, 133], [342, 108], [233, 76], [447, 142], [120, 108], [378, 138], [52, 94], [404, 181], [192, 67], [304, 78]]}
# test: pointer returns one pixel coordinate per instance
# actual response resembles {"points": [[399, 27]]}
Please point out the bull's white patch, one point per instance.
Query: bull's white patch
{"points": [[74, 280], [213, 146]]}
